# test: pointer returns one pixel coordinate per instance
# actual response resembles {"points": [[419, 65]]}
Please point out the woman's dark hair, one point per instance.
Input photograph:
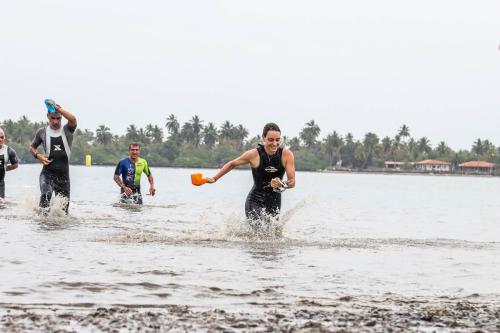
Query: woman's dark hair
{"points": [[270, 127]]}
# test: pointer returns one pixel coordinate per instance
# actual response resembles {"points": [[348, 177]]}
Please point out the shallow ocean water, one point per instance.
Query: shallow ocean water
{"points": [[356, 235]]}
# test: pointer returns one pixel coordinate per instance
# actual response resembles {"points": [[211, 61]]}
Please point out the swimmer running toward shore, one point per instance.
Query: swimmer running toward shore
{"points": [[130, 169], [269, 162]]}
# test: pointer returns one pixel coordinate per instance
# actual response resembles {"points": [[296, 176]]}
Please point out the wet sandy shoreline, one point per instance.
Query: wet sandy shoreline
{"points": [[346, 314]]}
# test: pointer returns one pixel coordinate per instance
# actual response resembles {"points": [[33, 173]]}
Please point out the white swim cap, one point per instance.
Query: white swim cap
{"points": [[1, 131]]}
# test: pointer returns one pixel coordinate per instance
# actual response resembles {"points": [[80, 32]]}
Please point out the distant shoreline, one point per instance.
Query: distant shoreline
{"points": [[344, 170], [409, 172]]}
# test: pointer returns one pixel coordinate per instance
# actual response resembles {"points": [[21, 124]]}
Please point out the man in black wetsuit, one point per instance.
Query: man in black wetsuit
{"points": [[269, 162], [8, 161], [56, 141]]}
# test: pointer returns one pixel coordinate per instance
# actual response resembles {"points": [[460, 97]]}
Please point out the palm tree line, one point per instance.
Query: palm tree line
{"points": [[196, 143]]}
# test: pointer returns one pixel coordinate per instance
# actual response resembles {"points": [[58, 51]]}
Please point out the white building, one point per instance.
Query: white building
{"points": [[433, 166], [394, 165]]}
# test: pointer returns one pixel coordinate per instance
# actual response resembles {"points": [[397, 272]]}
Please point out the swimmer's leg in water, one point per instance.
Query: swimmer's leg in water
{"points": [[261, 210], [59, 184], [136, 197]]}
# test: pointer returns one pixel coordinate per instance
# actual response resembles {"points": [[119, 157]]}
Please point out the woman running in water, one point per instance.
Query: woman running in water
{"points": [[269, 162]]}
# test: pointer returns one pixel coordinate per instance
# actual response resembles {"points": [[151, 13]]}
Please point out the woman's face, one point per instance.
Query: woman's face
{"points": [[272, 141]]}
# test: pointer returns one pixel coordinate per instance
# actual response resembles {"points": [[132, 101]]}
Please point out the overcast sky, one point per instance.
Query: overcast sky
{"points": [[352, 66]]}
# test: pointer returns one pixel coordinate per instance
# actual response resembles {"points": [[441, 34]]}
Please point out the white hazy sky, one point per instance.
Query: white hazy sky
{"points": [[352, 66]]}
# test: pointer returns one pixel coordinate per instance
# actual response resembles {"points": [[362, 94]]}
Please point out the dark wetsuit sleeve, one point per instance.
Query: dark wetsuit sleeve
{"points": [[118, 168], [12, 156], [70, 129], [37, 140]]}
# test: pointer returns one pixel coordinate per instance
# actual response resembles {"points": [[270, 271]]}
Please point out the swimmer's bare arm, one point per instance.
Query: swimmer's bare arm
{"points": [[152, 189], [289, 163], [246, 158], [118, 181]]}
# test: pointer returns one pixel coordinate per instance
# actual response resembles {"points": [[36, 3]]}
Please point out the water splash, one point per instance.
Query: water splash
{"points": [[54, 214], [217, 227], [287, 216]]}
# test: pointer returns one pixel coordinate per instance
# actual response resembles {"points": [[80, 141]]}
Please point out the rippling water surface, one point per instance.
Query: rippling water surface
{"points": [[343, 234]]}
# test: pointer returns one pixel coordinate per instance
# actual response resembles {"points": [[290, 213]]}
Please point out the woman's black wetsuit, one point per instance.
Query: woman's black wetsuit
{"points": [[263, 203]]}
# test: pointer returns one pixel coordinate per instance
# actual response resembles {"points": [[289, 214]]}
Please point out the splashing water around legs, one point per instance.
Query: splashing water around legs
{"points": [[267, 227], [213, 226], [58, 207]]}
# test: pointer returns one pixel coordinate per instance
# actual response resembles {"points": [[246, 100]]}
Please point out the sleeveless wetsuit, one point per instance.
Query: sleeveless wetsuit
{"points": [[55, 176], [263, 203]]}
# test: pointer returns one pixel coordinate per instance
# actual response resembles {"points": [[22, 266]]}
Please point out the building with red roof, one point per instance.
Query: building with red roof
{"points": [[477, 167]]}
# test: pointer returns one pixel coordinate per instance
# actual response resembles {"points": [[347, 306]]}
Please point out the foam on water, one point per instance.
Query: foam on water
{"points": [[212, 227], [54, 214]]}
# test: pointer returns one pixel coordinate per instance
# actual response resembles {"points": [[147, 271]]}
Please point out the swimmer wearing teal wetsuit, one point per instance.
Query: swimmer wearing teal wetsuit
{"points": [[131, 169]]}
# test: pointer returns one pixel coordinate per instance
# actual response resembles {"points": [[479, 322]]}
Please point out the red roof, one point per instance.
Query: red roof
{"points": [[433, 162], [477, 164]]}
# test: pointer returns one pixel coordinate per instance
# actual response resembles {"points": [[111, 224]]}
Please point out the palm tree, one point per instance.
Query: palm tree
{"points": [[404, 131], [210, 135], [154, 133], [488, 149], [359, 156], [349, 138], [477, 147], [103, 135], [197, 126], [142, 136], [25, 131], [132, 134], [172, 125], [396, 147], [226, 133], [187, 133], [310, 133], [240, 134], [442, 149], [294, 143], [348, 151], [386, 145], [423, 145], [332, 144], [370, 141], [411, 149]]}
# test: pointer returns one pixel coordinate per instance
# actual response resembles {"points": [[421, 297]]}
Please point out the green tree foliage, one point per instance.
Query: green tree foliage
{"points": [[193, 144], [309, 134]]}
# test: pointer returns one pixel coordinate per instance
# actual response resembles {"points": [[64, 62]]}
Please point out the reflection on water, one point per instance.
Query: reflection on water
{"points": [[359, 235]]}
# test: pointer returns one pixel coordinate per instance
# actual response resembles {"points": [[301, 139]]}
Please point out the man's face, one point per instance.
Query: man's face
{"points": [[54, 121], [2, 139], [134, 152], [272, 141]]}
